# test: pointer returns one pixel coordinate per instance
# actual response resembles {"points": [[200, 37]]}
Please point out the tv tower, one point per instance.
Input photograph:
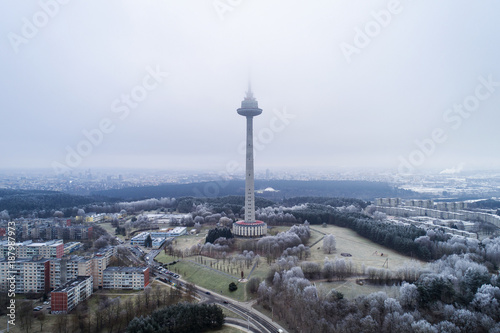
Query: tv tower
{"points": [[249, 109]]}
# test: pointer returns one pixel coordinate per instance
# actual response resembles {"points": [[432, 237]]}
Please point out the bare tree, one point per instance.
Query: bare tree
{"points": [[329, 244], [191, 291], [26, 315], [62, 323], [40, 317]]}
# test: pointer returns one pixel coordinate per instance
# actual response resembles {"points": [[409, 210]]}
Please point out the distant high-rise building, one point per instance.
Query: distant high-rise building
{"points": [[249, 227]]}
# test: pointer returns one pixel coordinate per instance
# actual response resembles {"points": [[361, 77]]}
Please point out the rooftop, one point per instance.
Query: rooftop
{"points": [[250, 223], [126, 269], [71, 284], [35, 259]]}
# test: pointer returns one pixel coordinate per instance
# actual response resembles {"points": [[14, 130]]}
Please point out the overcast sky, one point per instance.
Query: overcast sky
{"points": [[341, 83]]}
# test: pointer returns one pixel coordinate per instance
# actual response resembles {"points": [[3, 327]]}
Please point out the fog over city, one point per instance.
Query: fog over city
{"points": [[404, 85]]}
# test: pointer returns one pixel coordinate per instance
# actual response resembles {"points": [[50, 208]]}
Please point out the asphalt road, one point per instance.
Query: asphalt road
{"points": [[255, 320]]}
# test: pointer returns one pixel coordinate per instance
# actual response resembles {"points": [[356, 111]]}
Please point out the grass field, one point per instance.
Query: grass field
{"points": [[361, 249], [186, 241], [209, 279], [109, 228]]}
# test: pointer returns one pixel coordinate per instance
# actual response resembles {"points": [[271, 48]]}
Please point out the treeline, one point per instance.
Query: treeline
{"points": [[334, 202], [44, 203], [400, 238], [485, 204], [286, 189], [179, 318], [341, 268], [228, 204]]}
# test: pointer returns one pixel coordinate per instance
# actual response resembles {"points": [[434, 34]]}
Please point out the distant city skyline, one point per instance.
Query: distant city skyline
{"points": [[399, 85]]}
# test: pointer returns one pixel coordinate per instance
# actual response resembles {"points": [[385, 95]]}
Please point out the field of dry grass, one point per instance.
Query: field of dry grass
{"points": [[363, 251]]}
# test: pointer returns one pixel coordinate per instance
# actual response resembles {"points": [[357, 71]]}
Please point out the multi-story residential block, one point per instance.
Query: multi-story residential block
{"points": [[126, 277], [74, 232], [28, 249], [71, 247], [68, 268], [31, 275], [100, 262], [67, 297]]}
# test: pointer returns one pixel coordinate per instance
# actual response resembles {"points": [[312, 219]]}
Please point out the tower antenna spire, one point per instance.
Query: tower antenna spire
{"points": [[249, 91]]}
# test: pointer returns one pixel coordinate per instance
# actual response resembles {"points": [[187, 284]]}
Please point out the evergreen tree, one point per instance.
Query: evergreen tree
{"points": [[149, 241]]}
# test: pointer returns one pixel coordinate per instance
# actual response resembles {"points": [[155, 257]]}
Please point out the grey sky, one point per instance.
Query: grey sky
{"points": [[366, 109]]}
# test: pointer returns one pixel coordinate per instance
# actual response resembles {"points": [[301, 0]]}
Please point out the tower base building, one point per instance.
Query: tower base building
{"points": [[249, 229]]}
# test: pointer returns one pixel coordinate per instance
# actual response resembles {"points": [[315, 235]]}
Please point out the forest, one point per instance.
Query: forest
{"points": [[285, 189], [179, 318], [459, 292], [23, 202]]}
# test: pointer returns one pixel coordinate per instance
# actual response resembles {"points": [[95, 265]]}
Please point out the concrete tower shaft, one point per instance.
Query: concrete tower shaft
{"points": [[249, 109]]}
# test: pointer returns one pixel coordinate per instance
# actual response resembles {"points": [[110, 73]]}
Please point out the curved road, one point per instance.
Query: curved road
{"points": [[241, 323], [256, 319], [264, 324]]}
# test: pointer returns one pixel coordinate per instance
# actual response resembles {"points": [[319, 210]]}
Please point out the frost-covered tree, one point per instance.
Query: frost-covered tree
{"points": [[408, 296], [328, 270], [58, 214], [329, 244], [487, 301], [4, 215]]}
